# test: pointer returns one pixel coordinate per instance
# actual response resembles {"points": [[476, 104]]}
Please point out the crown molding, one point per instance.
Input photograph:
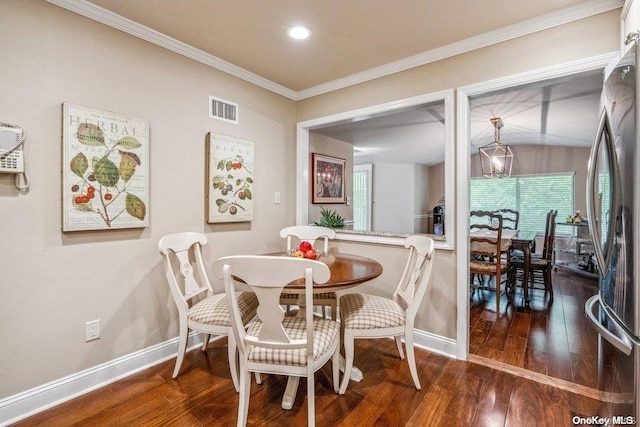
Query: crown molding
{"points": [[118, 22], [520, 29]]}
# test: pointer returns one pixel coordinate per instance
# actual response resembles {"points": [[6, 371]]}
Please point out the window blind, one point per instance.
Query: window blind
{"points": [[531, 195]]}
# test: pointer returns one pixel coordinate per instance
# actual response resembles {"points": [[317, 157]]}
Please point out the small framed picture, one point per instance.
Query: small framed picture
{"points": [[328, 179], [230, 162]]}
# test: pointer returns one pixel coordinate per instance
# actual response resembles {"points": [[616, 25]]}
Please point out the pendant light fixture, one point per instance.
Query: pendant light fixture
{"points": [[496, 158]]}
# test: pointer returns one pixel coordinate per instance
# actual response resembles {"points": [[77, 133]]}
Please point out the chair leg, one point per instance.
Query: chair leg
{"points": [[498, 293], [311, 397], [399, 347], [245, 391], [232, 353], [182, 347], [335, 366], [207, 337], [411, 358], [549, 282], [258, 378], [348, 359]]}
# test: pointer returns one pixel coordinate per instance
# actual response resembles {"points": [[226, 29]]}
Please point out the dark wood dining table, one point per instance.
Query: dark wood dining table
{"points": [[347, 270]]}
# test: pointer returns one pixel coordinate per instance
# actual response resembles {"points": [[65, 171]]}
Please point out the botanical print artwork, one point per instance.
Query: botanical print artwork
{"points": [[105, 170], [229, 179]]}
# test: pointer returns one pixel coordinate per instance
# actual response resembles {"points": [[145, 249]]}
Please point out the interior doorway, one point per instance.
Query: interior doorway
{"points": [[546, 339]]}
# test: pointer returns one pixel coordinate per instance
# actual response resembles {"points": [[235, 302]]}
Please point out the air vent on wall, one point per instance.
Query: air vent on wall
{"points": [[223, 110]]}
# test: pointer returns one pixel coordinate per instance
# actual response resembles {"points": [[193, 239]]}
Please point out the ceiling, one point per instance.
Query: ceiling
{"points": [[351, 41], [358, 40]]}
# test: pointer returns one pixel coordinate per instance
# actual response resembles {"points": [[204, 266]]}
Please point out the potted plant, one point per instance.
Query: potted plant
{"points": [[330, 219]]}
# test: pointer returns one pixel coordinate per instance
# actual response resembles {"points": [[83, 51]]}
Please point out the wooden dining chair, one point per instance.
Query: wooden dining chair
{"points": [[199, 308], [275, 343], [510, 218], [540, 267], [486, 249], [370, 316], [312, 234]]}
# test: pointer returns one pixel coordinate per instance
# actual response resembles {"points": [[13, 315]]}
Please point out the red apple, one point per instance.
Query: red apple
{"points": [[305, 246], [311, 254]]}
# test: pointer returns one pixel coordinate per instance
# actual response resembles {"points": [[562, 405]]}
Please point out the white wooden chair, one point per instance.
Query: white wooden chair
{"points": [[275, 343], [371, 316], [311, 234], [182, 257]]}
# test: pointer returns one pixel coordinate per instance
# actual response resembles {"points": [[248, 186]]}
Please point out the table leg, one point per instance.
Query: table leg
{"points": [[290, 392], [525, 280], [292, 385]]}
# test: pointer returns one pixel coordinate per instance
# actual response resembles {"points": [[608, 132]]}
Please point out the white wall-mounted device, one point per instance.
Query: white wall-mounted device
{"points": [[12, 139], [11, 149]]}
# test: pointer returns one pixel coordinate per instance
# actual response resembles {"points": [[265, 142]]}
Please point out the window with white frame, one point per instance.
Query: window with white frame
{"points": [[362, 197], [531, 195]]}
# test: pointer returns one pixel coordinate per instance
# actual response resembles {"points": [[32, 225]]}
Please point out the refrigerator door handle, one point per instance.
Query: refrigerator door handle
{"points": [[592, 170], [621, 341]]}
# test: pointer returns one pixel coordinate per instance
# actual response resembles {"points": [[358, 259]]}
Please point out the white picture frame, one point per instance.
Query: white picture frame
{"points": [[105, 170], [229, 188]]}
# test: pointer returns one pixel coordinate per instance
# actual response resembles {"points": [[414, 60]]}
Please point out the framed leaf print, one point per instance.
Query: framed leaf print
{"points": [[105, 170], [229, 191]]}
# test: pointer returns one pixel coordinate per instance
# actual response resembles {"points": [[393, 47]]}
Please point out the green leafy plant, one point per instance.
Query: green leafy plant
{"points": [[330, 219], [106, 178]]}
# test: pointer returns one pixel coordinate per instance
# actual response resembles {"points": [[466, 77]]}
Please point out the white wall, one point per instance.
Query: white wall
{"points": [[420, 199], [51, 282], [393, 191], [343, 150]]}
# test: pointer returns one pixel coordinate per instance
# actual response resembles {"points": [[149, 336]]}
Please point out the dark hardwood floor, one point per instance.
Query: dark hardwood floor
{"points": [[454, 393], [551, 339]]}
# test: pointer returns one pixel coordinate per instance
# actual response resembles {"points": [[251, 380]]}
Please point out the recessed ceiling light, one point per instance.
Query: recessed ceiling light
{"points": [[299, 32]]}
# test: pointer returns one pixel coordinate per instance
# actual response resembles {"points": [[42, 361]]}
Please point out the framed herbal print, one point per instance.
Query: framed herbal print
{"points": [[105, 170], [328, 179], [229, 190]]}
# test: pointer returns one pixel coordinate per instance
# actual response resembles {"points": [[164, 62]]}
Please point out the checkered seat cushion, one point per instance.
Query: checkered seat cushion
{"points": [[214, 310], [362, 311], [324, 333]]}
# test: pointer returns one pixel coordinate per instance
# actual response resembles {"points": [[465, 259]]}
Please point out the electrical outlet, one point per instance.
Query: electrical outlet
{"points": [[92, 330]]}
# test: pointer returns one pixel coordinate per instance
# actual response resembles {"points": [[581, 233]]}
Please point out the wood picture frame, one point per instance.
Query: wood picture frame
{"points": [[328, 179], [105, 170], [229, 192]]}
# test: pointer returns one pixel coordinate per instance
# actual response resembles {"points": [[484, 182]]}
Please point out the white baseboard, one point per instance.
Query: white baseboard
{"points": [[435, 343], [22, 405]]}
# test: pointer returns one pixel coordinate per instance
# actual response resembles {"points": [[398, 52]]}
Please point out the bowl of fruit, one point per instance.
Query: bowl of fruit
{"points": [[305, 250]]}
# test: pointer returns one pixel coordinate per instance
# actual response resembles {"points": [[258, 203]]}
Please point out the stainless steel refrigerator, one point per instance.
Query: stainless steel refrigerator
{"points": [[613, 204]]}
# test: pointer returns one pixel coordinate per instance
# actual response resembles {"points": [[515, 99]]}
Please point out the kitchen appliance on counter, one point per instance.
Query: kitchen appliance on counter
{"points": [[613, 204], [438, 220]]}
